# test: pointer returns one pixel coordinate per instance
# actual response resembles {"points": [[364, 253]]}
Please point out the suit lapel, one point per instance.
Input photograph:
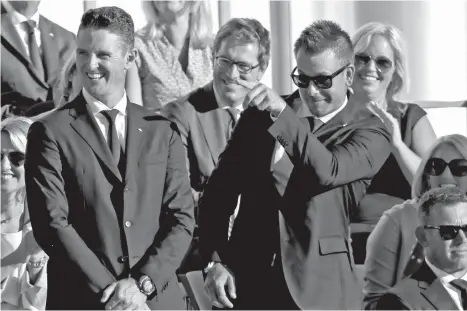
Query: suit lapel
{"points": [[49, 50], [433, 290], [86, 127], [135, 132], [213, 124]]}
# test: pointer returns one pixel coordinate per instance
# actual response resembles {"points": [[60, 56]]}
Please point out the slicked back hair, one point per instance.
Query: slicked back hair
{"points": [[112, 19], [324, 35]]}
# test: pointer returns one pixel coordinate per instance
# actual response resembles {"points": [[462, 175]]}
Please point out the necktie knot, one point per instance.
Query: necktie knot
{"points": [[459, 284], [234, 113], [317, 123], [110, 115], [30, 25]]}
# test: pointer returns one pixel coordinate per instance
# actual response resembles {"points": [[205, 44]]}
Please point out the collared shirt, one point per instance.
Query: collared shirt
{"points": [[445, 279], [17, 19], [97, 106], [239, 108], [279, 150]]}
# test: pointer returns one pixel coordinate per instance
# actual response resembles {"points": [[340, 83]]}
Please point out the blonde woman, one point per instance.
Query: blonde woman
{"points": [[24, 276], [175, 54]]}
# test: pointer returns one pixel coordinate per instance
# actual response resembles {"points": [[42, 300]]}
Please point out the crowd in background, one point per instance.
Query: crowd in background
{"points": [[131, 157]]}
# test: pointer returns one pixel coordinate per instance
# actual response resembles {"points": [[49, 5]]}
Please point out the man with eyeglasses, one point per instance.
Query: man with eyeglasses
{"points": [[206, 116], [299, 178], [441, 281]]}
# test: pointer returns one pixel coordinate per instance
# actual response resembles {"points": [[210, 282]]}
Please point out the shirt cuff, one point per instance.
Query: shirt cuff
{"points": [[273, 117]]}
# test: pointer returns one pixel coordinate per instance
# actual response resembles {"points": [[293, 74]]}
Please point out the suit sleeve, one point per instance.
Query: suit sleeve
{"points": [[381, 260], [359, 156], [220, 195], [171, 243], [391, 302], [45, 188]]}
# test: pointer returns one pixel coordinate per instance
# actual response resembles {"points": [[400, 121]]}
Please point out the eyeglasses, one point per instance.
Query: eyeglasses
{"points": [[383, 64], [436, 167], [447, 232], [16, 158], [323, 82], [242, 67]]}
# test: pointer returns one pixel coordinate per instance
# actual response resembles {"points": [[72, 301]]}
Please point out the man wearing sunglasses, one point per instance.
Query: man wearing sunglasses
{"points": [[441, 281], [298, 179]]}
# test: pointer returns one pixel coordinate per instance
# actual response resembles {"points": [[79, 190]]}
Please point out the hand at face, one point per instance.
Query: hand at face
{"points": [[125, 296], [388, 120], [216, 280], [262, 97]]}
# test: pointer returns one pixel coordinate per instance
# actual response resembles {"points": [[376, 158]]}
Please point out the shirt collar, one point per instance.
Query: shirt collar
{"points": [[17, 18], [238, 107], [97, 106], [443, 276], [331, 115]]}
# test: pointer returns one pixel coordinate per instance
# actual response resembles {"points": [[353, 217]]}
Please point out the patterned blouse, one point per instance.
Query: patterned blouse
{"points": [[162, 77]]}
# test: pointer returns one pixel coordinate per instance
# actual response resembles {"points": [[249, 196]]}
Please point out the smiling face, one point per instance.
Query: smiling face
{"points": [[12, 178], [225, 86], [102, 59], [447, 152], [370, 82], [322, 102]]}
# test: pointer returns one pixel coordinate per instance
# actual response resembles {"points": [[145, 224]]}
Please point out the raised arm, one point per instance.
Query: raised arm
{"points": [[45, 188]]}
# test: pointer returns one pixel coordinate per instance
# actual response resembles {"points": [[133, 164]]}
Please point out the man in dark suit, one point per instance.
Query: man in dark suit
{"points": [[298, 182], [108, 186], [441, 281], [206, 116], [34, 50]]}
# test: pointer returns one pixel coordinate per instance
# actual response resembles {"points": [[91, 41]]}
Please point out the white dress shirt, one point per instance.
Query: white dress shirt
{"points": [[17, 19], [279, 150], [97, 106], [445, 279]]}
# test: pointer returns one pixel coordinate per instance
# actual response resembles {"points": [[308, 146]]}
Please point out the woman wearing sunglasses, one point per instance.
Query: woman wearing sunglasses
{"points": [[23, 271], [391, 251], [380, 77]]}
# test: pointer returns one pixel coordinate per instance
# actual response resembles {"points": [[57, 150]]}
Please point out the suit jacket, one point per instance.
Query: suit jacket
{"points": [[329, 173], [202, 124], [98, 227], [22, 87], [422, 291]]}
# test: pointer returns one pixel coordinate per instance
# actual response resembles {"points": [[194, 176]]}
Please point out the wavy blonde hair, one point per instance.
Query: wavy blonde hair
{"points": [[400, 80], [200, 30], [421, 183], [65, 86]]}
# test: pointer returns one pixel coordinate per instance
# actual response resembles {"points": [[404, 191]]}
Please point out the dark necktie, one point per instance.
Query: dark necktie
{"points": [[114, 143], [234, 115], [461, 285], [317, 123], [34, 52], [415, 260]]}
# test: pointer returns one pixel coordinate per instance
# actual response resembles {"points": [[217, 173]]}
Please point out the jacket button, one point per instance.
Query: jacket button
{"points": [[128, 224], [122, 259], [126, 189]]}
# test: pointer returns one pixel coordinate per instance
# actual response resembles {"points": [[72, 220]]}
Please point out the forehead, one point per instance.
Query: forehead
{"points": [[453, 214], [238, 50], [379, 46], [324, 63], [447, 152], [98, 39], [6, 143]]}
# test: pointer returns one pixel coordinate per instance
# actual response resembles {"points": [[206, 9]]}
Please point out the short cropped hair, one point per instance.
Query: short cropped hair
{"points": [[420, 183], [246, 30], [323, 35], [362, 39], [444, 196], [112, 19]]}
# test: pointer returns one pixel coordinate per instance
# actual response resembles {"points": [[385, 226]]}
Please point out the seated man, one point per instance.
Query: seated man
{"points": [[298, 179], [34, 50], [441, 281]]}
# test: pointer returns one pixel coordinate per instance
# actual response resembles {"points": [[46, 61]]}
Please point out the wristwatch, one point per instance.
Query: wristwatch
{"points": [[146, 286], [37, 264]]}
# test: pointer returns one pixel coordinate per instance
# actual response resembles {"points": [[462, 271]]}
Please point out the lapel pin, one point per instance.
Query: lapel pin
{"points": [[51, 34], [140, 130]]}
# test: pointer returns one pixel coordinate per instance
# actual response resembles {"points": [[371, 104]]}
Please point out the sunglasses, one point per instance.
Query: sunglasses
{"points": [[447, 232], [323, 82], [436, 167], [16, 158], [383, 64]]}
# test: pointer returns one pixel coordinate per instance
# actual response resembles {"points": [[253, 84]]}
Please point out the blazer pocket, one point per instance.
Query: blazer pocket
{"points": [[332, 245]]}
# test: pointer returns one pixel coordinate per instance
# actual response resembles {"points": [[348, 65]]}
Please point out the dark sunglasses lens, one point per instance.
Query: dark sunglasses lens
{"points": [[448, 232], [458, 167], [383, 63], [435, 166], [301, 81], [323, 82], [362, 59], [16, 158]]}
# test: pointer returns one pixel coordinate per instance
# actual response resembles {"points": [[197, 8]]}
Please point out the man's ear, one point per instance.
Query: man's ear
{"points": [[421, 236], [131, 57], [349, 75]]}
